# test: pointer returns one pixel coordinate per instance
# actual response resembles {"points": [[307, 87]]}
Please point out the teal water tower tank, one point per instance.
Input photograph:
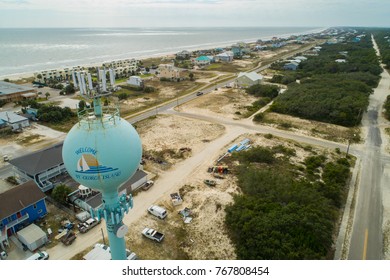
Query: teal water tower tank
{"points": [[102, 153]]}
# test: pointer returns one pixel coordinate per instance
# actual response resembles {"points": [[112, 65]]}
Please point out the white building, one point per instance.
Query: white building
{"points": [[135, 81], [13, 120], [245, 79]]}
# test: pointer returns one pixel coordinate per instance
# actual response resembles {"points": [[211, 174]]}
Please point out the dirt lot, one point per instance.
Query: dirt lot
{"points": [[206, 236], [166, 134], [224, 102], [312, 128]]}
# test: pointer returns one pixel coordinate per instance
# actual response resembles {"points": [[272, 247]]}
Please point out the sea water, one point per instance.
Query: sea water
{"points": [[26, 50]]}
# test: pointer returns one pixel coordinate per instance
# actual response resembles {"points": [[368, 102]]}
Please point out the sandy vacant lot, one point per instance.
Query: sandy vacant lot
{"points": [[206, 236], [224, 102]]}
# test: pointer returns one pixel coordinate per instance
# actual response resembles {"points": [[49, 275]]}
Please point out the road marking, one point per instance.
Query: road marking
{"points": [[365, 244]]}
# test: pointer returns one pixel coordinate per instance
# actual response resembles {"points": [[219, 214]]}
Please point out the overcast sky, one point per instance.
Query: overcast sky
{"points": [[196, 13]]}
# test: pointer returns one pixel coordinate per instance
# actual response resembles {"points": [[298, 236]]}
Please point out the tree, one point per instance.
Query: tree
{"points": [[47, 95], [39, 76], [191, 75], [82, 105], [60, 193], [69, 89]]}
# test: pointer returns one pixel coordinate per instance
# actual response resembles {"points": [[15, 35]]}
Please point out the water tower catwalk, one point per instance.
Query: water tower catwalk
{"points": [[102, 151]]}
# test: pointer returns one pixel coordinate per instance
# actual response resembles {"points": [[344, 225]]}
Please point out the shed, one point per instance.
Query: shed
{"points": [[33, 237]]}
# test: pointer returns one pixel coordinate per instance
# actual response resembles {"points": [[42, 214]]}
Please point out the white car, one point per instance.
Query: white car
{"points": [[41, 255]]}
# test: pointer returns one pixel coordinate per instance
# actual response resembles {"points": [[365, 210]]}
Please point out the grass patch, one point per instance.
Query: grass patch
{"points": [[224, 67]]}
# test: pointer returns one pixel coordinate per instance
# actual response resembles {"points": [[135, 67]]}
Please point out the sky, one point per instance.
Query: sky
{"points": [[193, 13]]}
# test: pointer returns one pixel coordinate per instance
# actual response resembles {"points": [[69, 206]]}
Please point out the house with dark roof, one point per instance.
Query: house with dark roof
{"points": [[19, 207], [41, 166]]}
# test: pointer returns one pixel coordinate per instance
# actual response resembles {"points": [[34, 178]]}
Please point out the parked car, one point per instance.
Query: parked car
{"points": [[199, 93], [147, 185], [41, 255], [157, 211]]}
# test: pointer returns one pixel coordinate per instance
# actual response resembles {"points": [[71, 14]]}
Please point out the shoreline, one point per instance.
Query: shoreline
{"points": [[27, 75]]}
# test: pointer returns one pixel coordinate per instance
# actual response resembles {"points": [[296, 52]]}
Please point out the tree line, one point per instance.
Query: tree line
{"points": [[330, 91], [282, 213]]}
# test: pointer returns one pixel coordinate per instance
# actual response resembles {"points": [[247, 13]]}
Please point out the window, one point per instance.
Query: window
{"points": [[35, 206]]}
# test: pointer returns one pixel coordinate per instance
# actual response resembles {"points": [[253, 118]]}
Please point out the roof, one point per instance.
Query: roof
{"points": [[292, 63], [18, 198], [203, 58], [251, 75], [10, 88], [10, 117], [224, 54], [30, 94], [32, 233], [39, 161]]}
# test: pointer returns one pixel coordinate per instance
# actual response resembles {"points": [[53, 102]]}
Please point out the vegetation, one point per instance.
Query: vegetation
{"points": [[329, 91], [382, 38], [328, 98], [270, 91], [12, 180], [54, 114], [280, 215], [60, 193], [386, 106]]}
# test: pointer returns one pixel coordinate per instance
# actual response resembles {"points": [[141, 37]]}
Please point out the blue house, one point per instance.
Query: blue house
{"points": [[204, 60], [19, 207]]}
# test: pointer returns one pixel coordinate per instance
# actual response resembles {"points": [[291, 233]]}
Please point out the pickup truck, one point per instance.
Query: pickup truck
{"points": [[153, 234], [87, 225], [68, 238]]}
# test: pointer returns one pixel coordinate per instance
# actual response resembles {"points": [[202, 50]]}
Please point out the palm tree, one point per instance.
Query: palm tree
{"points": [[47, 95]]}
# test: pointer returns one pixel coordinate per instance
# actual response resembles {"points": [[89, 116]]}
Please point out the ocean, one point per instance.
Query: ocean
{"points": [[27, 50]]}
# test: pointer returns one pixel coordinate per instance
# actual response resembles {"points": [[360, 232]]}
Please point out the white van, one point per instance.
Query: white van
{"points": [[42, 255], [157, 211]]}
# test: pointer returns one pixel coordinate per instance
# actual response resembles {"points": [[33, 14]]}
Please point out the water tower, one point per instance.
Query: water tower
{"points": [[102, 151]]}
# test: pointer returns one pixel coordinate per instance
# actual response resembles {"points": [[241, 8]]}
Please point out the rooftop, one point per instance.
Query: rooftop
{"points": [[10, 117], [10, 88], [39, 161], [19, 197], [251, 75]]}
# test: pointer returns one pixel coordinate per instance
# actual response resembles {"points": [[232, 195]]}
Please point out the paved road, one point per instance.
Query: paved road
{"points": [[367, 237]]}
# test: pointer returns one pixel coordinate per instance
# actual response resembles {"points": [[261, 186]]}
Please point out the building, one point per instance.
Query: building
{"points": [[341, 60], [224, 57], [248, 79], [20, 206], [86, 198], [203, 60], [13, 120], [301, 58], [183, 55], [32, 237], [168, 71], [135, 81], [10, 92], [292, 65], [41, 166]]}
